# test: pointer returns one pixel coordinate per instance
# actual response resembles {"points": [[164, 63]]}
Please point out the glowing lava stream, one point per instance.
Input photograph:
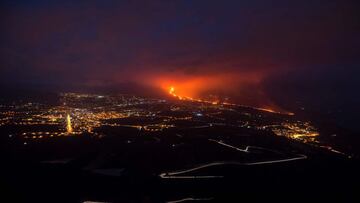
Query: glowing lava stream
{"points": [[172, 92]]}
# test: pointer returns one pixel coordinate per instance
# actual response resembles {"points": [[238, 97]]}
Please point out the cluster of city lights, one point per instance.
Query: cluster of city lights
{"points": [[81, 114]]}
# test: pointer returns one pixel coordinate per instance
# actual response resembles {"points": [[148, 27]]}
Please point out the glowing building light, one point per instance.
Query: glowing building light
{"points": [[69, 128]]}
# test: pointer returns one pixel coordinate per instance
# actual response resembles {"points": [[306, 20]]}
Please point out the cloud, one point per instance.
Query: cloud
{"points": [[233, 46]]}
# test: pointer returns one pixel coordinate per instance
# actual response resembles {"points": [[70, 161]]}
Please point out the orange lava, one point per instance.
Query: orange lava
{"points": [[194, 87], [172, 92]]}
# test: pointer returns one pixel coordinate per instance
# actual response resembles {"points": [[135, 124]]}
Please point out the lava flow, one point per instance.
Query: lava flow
{"points": [[172, 93]]}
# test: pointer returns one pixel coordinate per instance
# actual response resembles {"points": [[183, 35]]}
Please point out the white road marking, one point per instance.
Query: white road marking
{"points": [[246, 150], [190, 199], [175, 175]]}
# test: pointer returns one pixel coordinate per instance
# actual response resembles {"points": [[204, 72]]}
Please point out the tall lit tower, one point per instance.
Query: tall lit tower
{"points": [[69, 128]]}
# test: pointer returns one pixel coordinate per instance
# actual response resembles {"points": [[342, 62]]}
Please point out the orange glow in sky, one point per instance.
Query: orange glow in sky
{"points": [[184, 88], [200, 87]]}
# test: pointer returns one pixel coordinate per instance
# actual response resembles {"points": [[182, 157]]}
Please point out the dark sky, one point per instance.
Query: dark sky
{"points": [[257, 51]]}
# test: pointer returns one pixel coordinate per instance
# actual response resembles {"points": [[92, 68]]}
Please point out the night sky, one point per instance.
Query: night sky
{"points": [[257, 52]]}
